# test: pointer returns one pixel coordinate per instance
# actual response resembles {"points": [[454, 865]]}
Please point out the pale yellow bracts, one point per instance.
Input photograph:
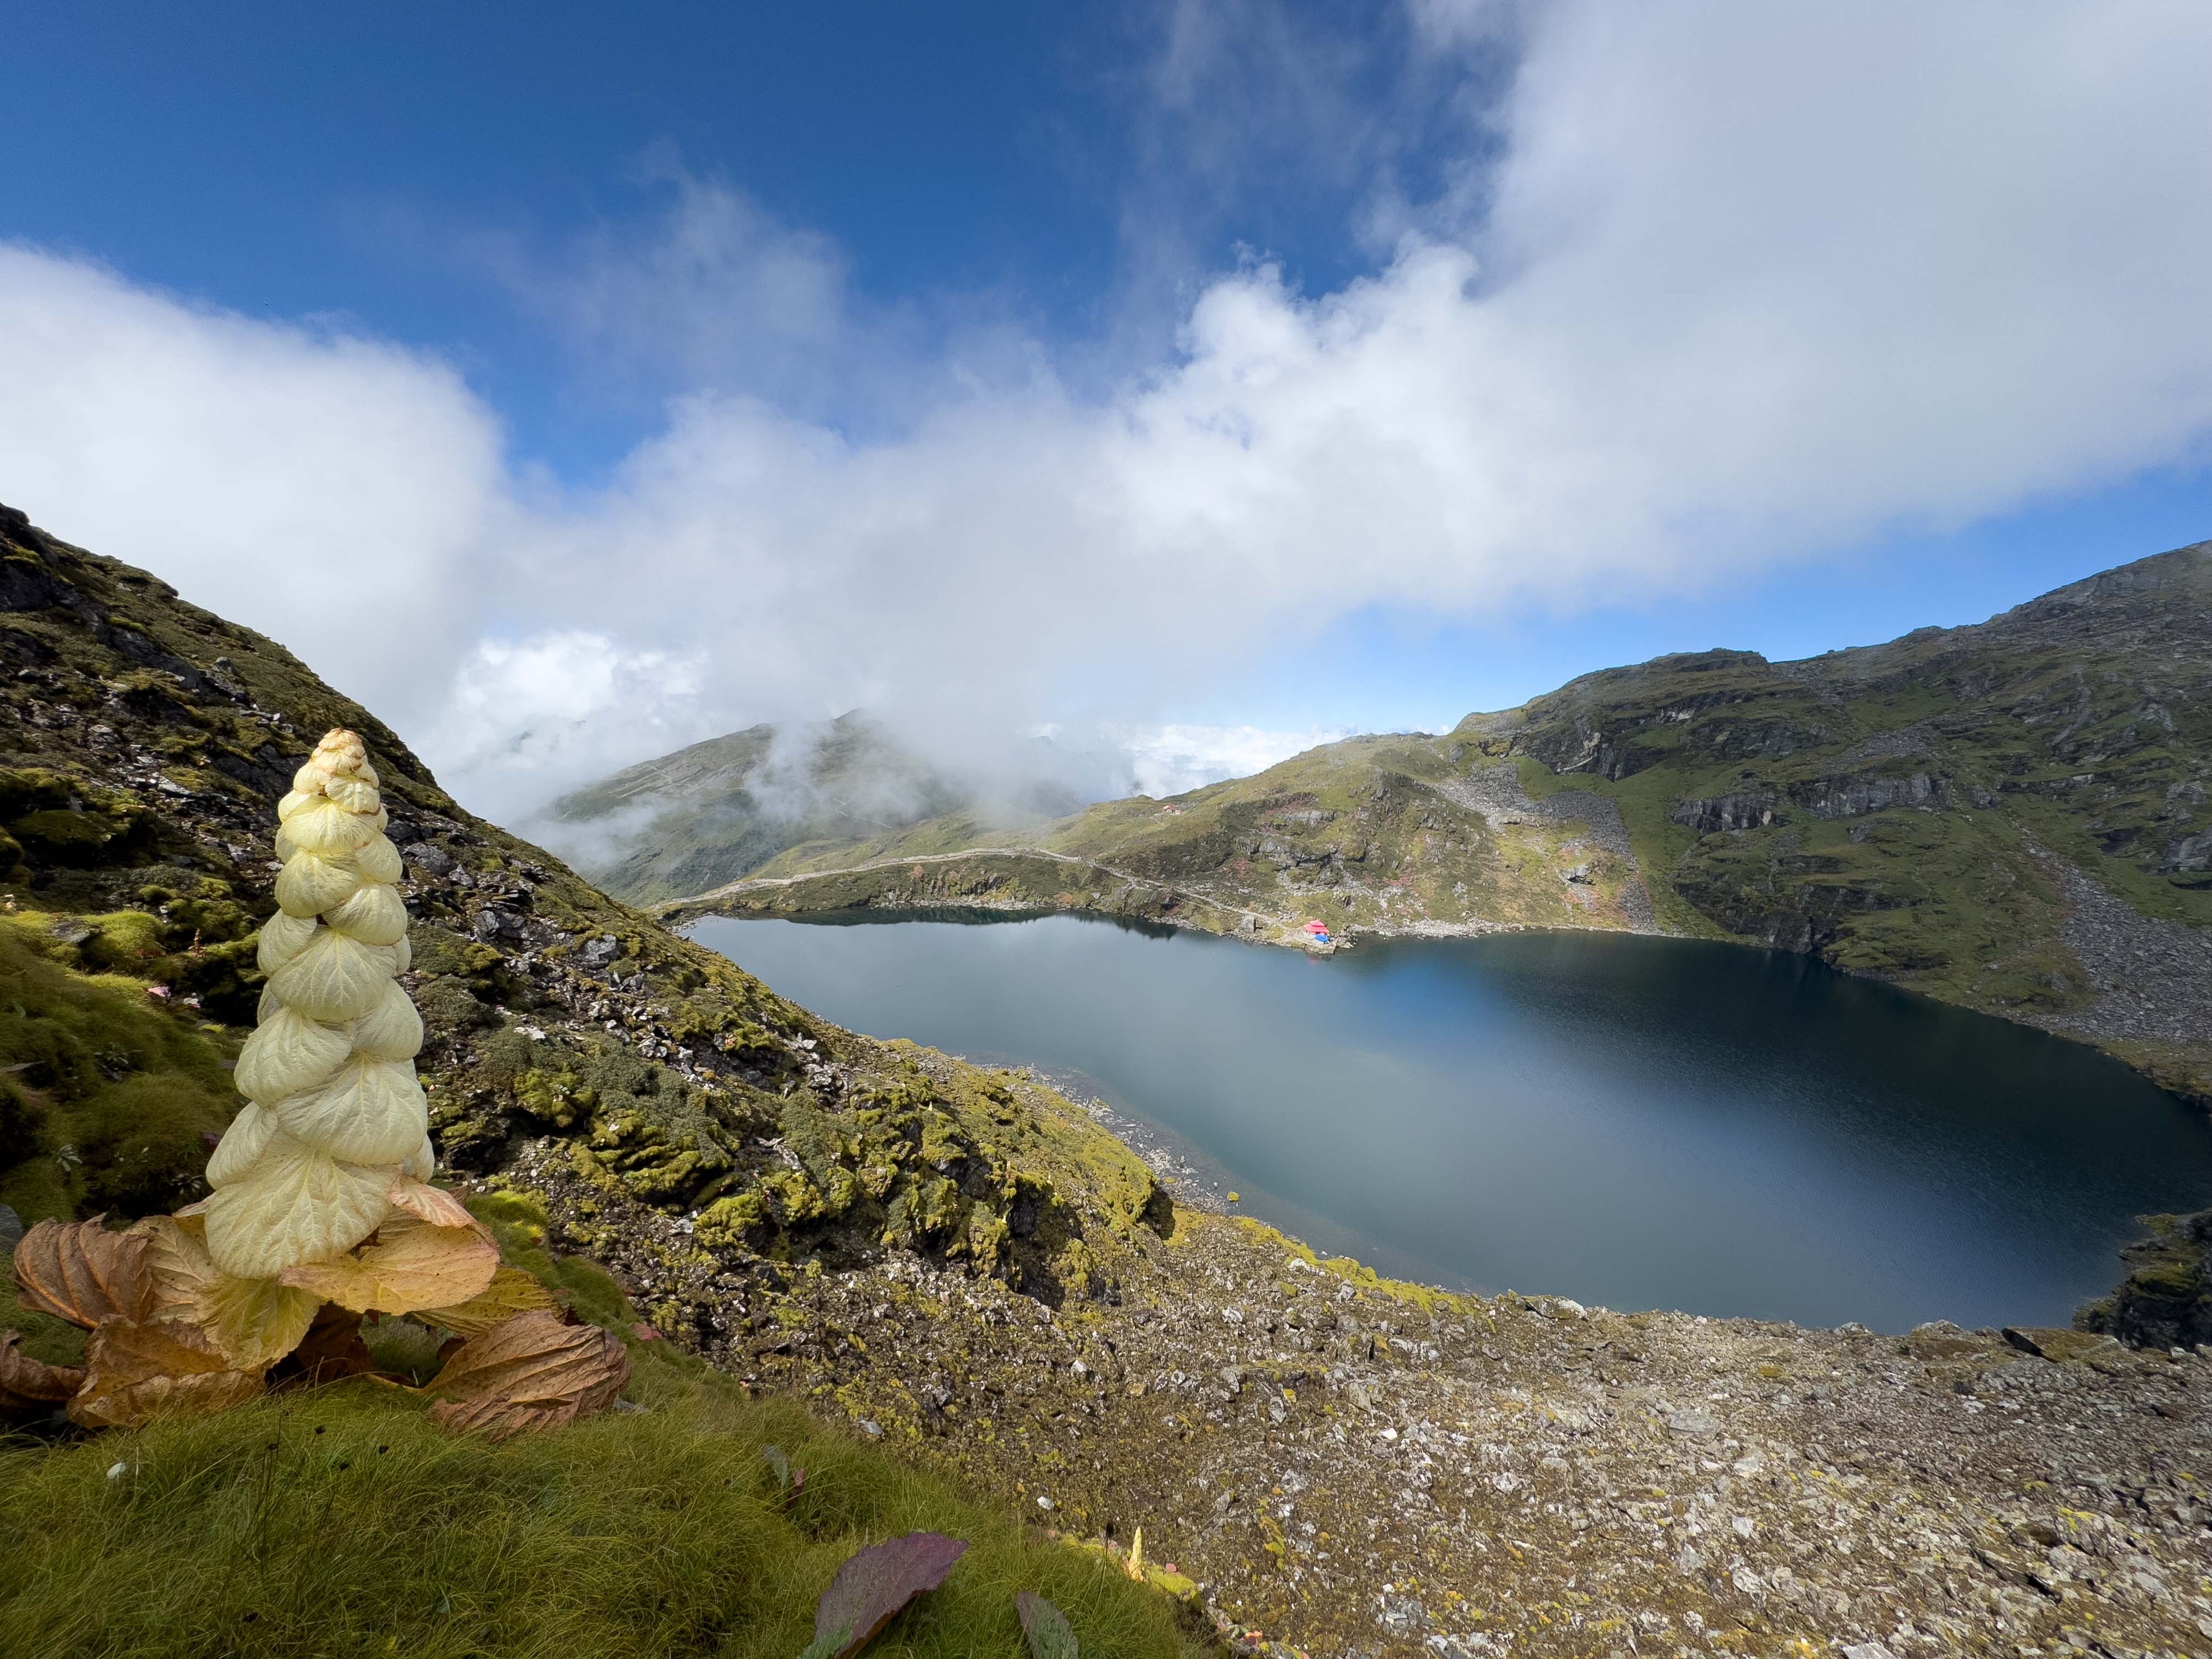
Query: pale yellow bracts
{"points": [[335, 1119]]}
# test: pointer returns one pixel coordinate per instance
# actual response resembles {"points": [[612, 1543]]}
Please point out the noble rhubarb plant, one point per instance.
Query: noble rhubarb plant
{"points": [[322, 1210], [335, 1129]]}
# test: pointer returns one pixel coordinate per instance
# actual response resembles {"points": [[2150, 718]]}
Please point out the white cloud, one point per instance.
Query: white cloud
{"points": [[1174, 759], [527, 718], [1747, 283], [705, 289], [337, 491]]}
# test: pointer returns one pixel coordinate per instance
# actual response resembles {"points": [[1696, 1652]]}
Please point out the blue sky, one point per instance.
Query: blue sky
{"points": [[303, 161], [1218, 364], [1860, 594]]}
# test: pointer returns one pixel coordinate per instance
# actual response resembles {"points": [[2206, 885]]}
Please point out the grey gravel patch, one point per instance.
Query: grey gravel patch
{"points": [[1496, 792], [1918, 738], [1601, 812], [2153, 978], [11, 1227]]}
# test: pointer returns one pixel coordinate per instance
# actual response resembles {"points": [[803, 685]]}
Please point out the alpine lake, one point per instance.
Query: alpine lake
{"points": [[1631, 1121]]}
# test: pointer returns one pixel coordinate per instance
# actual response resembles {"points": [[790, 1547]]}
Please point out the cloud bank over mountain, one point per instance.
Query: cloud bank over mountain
{"points": [[1693, 292]]}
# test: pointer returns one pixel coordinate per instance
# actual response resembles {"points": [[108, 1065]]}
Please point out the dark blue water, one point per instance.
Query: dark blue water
{"points": [[1634, 1122]]}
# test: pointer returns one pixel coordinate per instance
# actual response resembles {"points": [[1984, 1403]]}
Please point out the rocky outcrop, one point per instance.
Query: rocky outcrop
{"points": [[2165, 1300], [2189, 854], [1852, 797], [1719, 815]]}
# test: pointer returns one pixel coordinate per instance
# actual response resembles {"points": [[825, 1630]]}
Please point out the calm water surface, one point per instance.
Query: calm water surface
{"points": [[1634, 1122]]}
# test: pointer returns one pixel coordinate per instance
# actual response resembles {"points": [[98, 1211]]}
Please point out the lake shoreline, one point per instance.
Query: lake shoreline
{"points": [[2172, 1066], [1640, 1129]]}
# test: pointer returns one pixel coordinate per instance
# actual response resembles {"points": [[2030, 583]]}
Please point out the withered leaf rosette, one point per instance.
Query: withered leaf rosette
{"points": [[322, 1211]]}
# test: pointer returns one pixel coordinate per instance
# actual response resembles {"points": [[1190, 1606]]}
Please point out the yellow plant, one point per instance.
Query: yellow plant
{"points": [[334, 1118]]}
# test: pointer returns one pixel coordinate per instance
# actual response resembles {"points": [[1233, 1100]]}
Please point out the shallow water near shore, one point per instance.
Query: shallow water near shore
{"points": [[1634, 1122]]}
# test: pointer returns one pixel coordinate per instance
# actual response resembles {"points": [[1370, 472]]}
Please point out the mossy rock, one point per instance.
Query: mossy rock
{"points": [[75, 840], [731, 1222], [446, 1002], [2165, 1300], [560, 1099]]}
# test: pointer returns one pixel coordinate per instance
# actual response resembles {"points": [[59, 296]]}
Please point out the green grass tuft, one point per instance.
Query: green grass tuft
{"points": [[341, 1521]]}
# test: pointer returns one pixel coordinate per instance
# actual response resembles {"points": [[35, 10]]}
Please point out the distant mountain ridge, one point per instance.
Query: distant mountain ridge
{"points": [[2011, 816], [717, 811]]}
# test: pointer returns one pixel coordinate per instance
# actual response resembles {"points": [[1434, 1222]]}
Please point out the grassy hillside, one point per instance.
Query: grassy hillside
{"points": [[2012, 816], [1371, 833]]}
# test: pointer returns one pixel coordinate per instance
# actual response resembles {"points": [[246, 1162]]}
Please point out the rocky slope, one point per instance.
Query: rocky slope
{"points": [[140, 742], [962, 1266], [2012, 816]]}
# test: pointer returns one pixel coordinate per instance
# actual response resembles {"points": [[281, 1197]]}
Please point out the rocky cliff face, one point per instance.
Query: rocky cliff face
{"points": [[2165, 1300], [962, 1264]]}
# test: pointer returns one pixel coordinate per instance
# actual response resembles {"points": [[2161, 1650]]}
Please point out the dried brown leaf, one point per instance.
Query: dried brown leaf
{"points": [[80, 1272], [33, 1381], [176, 1263], [131, 1349], [199, 1395], [408, 1264], [529, 1372], [332, 1347], [511, 1291], [431, 1204], [136, 1371], [254, 1322]]}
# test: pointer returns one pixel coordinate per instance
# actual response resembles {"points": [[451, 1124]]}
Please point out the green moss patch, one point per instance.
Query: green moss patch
{"points": [[109, 1093]]}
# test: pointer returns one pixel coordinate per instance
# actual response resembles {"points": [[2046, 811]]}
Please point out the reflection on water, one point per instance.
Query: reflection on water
{"points": [[1634, 1122]]}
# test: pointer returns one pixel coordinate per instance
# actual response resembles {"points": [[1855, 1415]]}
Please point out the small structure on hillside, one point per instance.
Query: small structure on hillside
{"points": [[1318, 933]]}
